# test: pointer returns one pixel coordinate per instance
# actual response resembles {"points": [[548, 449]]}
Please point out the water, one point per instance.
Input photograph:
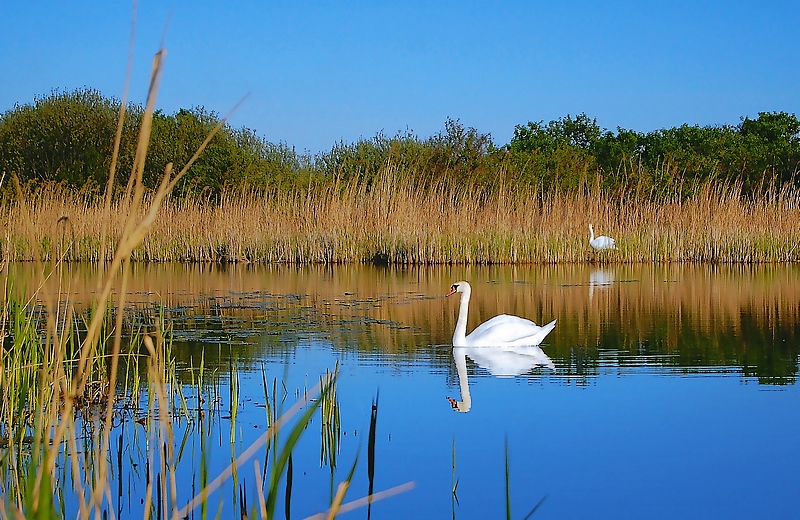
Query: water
{"points": [[663, 391]]}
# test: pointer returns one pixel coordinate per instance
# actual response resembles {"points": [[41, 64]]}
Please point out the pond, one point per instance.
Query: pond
{"points": [[663, 391]]}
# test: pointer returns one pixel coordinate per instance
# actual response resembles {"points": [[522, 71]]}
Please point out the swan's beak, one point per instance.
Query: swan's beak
{"points": [[458, 406], [450, 293]]}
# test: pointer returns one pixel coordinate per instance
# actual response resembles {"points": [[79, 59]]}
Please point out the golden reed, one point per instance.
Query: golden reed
{"points": [[395, 221]]}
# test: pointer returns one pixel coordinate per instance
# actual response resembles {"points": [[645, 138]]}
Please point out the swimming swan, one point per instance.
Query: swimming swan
{"points": [[500, 331], [602, 242]]}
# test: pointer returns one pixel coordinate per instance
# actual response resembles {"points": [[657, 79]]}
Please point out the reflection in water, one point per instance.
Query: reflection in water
{"points": [[599, 278], [632, 346], [500, 362], [739, 319]]}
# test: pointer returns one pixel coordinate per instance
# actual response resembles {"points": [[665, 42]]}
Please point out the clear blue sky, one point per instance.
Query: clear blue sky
{"points": [[319, 72]]}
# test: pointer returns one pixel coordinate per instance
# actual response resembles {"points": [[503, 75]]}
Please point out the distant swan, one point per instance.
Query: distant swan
{"points": [[602, 242], [500, 331]]}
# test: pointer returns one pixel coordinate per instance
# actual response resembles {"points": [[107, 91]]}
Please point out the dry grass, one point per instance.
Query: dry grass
{"points": [[403, 224]]}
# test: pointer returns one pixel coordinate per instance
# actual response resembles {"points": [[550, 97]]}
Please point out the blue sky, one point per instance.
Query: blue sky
{"points": [[319, 72]]}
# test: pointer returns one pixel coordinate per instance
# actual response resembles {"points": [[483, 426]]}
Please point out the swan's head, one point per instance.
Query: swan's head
{"points": [[591, 228], [462, 287]]}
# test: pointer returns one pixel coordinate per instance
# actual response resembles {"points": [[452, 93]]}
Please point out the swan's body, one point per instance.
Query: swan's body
{"points": [[500, 331], [602, 242]]}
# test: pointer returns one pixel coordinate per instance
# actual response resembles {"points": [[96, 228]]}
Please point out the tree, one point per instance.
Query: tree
{"points": [[65, 137]]}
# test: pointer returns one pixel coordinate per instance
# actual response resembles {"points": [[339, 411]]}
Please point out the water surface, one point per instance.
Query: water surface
{"points": [[663, 392]]}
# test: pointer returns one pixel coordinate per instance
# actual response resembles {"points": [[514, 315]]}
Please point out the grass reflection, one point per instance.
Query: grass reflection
{"points": [[691, 317]]}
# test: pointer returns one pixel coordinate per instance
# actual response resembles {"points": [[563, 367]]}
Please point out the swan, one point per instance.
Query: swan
{"points": [[500, 362], [602, 242], [500, 331]]}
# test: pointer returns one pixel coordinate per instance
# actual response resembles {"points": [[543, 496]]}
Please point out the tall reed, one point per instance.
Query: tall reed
{"points": [[394, 220]]}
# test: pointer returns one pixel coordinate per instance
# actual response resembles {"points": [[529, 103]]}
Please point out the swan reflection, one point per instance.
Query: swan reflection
{"points": [[499, 361], [599, 278]]}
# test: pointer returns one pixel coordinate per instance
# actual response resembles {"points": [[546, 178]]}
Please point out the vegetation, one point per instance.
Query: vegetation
{"points": [[68, 138], [718, 194], [62, 394], [393, 220]]}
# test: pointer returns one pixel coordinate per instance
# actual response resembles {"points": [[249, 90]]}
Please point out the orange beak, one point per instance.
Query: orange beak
{"points": [[451, 292]]}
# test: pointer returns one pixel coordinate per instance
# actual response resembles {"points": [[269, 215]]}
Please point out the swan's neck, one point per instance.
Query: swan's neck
{"points": [[460, 357], [591, 232], [460, 334]]}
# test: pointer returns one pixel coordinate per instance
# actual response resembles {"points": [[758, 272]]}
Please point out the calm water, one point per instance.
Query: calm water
{"points": [[663, 392]]}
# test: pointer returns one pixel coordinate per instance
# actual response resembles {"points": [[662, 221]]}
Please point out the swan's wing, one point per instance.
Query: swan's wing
{"points": [[508, 330], [502, 320], [536, 336]]}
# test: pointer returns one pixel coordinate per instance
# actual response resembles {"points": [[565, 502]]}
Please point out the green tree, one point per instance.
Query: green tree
{"points": [[559, 155], [68, 137], [772, 147], [65, 137]]}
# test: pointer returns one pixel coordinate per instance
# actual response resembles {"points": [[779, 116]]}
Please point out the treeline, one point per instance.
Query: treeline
{"points": [[67, 137]]}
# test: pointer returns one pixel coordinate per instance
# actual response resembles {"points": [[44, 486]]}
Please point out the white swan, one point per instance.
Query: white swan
{"points": [[500, 362], [602, 242], [500, 331]]}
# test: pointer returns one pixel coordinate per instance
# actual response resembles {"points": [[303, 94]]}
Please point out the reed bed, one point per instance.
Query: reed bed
{"points": [[395, 221]]}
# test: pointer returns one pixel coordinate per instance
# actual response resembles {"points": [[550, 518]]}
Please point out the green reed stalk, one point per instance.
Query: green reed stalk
{"points": [[508, 482], [331, 423], [233, 386], [373, 427], [287, 509], [453, 482]]}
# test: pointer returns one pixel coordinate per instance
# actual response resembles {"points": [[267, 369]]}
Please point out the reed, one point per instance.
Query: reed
{"points": [[453, 482], [331, 431], [393, 220]]}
